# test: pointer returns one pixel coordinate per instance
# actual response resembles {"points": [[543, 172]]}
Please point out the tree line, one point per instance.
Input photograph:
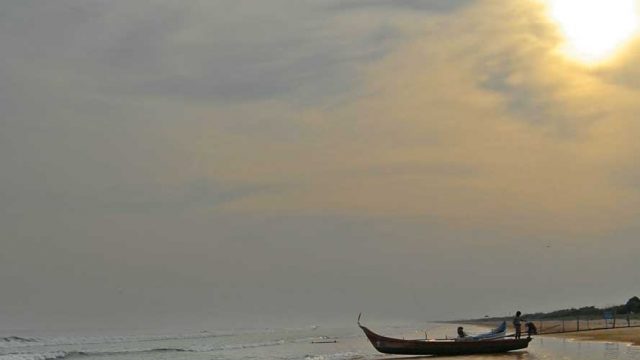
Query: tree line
{"points": [[630, 307]]}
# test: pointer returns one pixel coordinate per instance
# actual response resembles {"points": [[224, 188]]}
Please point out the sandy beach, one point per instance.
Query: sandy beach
{"points": [[626, 335], [554, 328]]}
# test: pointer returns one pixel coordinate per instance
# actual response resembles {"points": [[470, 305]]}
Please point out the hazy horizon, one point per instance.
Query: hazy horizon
{"points": [[215, 164]]}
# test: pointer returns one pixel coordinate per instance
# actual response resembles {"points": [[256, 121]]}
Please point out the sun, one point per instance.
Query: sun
{"points": [[594, 29]]}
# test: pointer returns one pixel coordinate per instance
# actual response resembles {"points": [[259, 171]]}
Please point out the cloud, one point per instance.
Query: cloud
{"points": [[222, 51], [533, 129], [406, 5], [355, 112]]}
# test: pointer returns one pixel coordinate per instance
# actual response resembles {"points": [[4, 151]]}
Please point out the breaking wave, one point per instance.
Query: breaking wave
{"points": [[59, 355], [17, 341], [76, 354]]}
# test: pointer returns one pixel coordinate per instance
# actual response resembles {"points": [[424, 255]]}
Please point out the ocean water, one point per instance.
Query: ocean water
{"points": [[282, 344]]}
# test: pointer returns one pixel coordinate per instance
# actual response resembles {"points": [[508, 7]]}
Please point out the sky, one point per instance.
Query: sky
{"points": [[233, 163]]}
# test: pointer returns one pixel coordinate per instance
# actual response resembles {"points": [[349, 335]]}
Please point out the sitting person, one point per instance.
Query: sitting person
{"points": [[461, 333]]}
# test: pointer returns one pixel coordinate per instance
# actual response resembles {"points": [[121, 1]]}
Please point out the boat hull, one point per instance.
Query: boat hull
{"points": [[388, 345]]}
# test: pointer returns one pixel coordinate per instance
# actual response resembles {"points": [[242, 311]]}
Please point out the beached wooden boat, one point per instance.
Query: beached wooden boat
{"points": [[389, 345]]}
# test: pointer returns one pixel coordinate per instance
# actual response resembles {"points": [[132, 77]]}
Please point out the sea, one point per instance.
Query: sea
{"points": [[306, 343]]}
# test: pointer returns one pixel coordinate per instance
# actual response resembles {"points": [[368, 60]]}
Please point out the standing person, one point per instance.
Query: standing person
{"points": [[531, 329], [517, 324]]}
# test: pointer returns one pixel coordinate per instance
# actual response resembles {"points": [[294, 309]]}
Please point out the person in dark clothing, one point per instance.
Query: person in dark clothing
{"points": [[517, 324], [531, 328], [461, 332]]}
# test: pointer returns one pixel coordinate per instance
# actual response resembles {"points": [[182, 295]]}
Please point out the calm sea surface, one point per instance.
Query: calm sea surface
{"points": [[275, 344]]}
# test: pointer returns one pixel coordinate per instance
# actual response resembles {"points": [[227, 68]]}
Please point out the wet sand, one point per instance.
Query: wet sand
{"points": [[626, 335]]}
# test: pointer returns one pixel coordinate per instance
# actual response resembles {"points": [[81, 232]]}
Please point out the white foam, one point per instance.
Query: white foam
{"points": [[335, 356], [35, 356]]}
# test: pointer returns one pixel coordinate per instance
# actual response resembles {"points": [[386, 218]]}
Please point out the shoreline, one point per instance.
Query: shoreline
{"points": [[626, 335]]}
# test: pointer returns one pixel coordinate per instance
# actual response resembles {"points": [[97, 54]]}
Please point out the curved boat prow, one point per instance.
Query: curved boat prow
{"points": [[373, 337]]}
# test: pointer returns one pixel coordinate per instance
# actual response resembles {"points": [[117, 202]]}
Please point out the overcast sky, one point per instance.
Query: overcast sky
{"points": [[221, 163]]}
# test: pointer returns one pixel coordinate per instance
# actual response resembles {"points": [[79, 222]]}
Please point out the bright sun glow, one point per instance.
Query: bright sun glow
{"points": [[595, 29]]}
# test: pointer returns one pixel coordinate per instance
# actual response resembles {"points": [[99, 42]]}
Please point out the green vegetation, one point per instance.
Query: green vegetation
{"points": [[631, 306]]}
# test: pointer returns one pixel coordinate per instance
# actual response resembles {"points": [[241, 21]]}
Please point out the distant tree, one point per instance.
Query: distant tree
{"points": [[633, 304]]}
